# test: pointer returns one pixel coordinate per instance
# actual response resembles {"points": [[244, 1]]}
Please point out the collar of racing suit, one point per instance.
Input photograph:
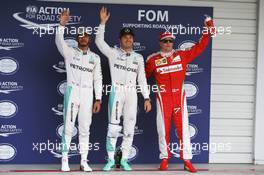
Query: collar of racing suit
{"points": [[84, 53], [167, 54], [124, 52]]}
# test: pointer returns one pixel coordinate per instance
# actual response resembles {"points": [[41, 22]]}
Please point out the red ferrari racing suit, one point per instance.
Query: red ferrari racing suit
{"points": [[169, 71]]}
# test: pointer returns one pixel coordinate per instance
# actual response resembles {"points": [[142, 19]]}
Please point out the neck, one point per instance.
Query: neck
{"points": [[126, 49], [165, 51], [83, 48]]}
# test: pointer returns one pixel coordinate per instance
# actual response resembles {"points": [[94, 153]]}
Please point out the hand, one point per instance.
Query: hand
{"points": [[64, 17], [97, 106], [209, 24], [147, 105], [104, 15]]}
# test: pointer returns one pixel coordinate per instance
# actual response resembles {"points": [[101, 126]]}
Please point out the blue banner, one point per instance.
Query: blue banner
{"points": [[33, 79]]}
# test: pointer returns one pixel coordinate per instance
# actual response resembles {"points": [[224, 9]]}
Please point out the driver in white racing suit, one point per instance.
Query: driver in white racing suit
{"points": [[83, 76], [126, 68]]}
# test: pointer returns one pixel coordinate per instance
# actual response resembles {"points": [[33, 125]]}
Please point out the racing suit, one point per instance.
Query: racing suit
{"points": [[169, 71], [126, 69], [83, 75]]}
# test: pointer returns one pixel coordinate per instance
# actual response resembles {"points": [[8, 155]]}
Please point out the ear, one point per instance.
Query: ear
{"points": [[89, 40]]}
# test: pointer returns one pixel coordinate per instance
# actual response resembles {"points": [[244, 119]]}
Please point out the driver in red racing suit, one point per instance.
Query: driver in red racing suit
{"points": [[169, 67]]}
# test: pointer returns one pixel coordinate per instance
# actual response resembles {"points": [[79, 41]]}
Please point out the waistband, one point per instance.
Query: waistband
{"points": [[74, 84], [123, 85]]}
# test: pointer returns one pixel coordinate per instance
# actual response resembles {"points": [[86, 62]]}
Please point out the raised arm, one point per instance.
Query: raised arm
{"points": [[99, 39], [62, 46], [197, 49], [200, 46]]}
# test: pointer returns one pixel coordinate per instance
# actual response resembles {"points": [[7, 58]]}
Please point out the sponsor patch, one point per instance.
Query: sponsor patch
{"points": [[135, 62], [161, 62], [176, 59], [169, 69]]}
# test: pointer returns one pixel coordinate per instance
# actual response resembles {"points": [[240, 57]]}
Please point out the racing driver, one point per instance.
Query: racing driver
{"points": [[83, 75], [126, 68], [169, 67]]}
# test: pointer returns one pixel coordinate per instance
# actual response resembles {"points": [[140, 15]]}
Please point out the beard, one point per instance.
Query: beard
{"points": [[127, 46], [83, 44]]}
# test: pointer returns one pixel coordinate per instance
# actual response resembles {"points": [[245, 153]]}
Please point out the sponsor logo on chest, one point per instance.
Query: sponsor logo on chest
{"points": [[91, 61], [176, 59], [81, 68], [77, 58], [160, 62], [135, 62], [169, 69], [125, 68]]}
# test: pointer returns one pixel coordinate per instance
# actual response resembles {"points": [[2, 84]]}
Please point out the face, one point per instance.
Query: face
{"points": [[83, 41], [166, 45], [127, 41]]}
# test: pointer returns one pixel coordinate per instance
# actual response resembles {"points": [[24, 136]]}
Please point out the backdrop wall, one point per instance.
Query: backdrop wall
{"points": [[32, 79]]}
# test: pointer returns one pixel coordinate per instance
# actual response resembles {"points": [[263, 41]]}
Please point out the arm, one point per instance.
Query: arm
{"points": [[142, 81], [99, 40], [63, 48], [98, 87], [141, 78], [149, 67], [197, 49], [97, 79], [200, 46]]}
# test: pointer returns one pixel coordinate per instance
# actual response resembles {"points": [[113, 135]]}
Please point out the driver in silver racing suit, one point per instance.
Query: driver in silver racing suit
{"points": [[83, 76], [126, 68]]}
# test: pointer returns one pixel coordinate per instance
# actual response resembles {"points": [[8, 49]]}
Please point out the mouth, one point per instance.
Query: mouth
{"points": [[83, 42]]}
